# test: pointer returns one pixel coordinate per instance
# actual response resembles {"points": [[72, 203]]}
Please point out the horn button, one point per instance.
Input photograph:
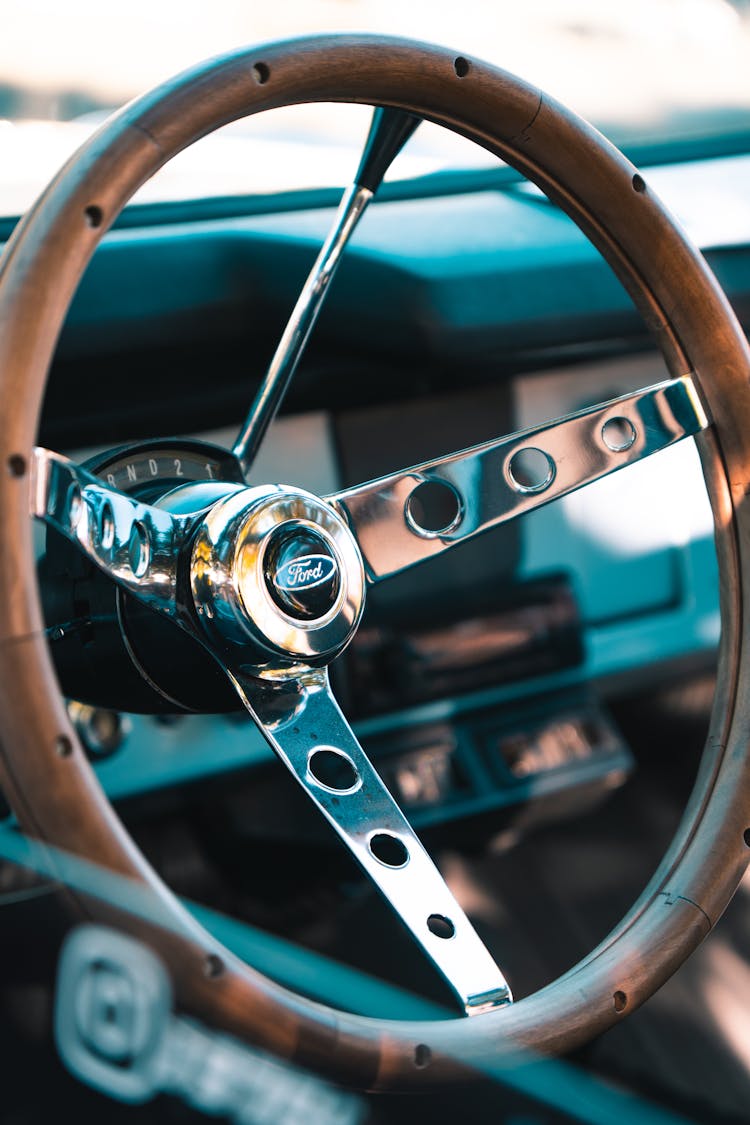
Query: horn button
{"points": [[278, 572], [302, 573]]}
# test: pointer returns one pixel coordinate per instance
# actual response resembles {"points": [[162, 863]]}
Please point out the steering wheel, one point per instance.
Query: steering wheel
{"points": [[271, 580]]}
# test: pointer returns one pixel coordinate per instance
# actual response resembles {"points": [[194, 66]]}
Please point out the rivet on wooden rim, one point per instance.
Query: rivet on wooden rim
{"points": [[213, 966], [16, 465], [94, 215], [63, 746], [422, 1056]]}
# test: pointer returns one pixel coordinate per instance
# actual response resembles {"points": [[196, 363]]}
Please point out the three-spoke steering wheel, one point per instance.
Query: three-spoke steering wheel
{"points": [[271, 580]]}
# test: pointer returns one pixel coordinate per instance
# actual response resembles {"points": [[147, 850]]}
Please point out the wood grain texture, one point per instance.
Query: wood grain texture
{"points": [[57, 798]]}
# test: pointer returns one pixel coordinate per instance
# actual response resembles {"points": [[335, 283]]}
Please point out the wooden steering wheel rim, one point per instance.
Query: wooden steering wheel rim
{"points": [[56, 796]]}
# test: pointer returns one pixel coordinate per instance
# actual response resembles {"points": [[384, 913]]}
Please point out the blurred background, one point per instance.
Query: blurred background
{"points": [[645, 70]]}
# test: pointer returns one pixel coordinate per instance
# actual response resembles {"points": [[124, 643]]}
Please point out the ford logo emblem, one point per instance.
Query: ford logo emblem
{"points": [[305, 572]]}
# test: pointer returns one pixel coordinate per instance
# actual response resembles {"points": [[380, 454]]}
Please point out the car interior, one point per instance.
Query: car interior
{"points": [[341, 622]]}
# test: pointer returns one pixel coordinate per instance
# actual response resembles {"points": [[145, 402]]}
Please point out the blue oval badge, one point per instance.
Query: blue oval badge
{"points": [[305, 572]]}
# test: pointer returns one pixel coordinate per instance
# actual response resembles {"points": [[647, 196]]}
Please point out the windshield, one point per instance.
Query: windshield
{"points": [[649, 73]]}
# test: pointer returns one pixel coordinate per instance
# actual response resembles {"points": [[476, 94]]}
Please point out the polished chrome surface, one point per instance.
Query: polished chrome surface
{"points": [[136, 544], [304, 314], [303, 721], [230, 591], [499, 480]]}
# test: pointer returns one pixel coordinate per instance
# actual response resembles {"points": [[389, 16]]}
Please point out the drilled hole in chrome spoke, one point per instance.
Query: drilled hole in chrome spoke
{"points": [[531, 470], [75, 504], [106, 526], [139, 549], [440, 926], [333, 770], [433, 508], [389, 850], [618, 434]]}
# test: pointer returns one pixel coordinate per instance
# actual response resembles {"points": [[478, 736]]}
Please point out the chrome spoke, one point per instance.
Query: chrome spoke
{"points": [[407, 517], [389, 131], [135, 544], [315, 742], [300, 324]]}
